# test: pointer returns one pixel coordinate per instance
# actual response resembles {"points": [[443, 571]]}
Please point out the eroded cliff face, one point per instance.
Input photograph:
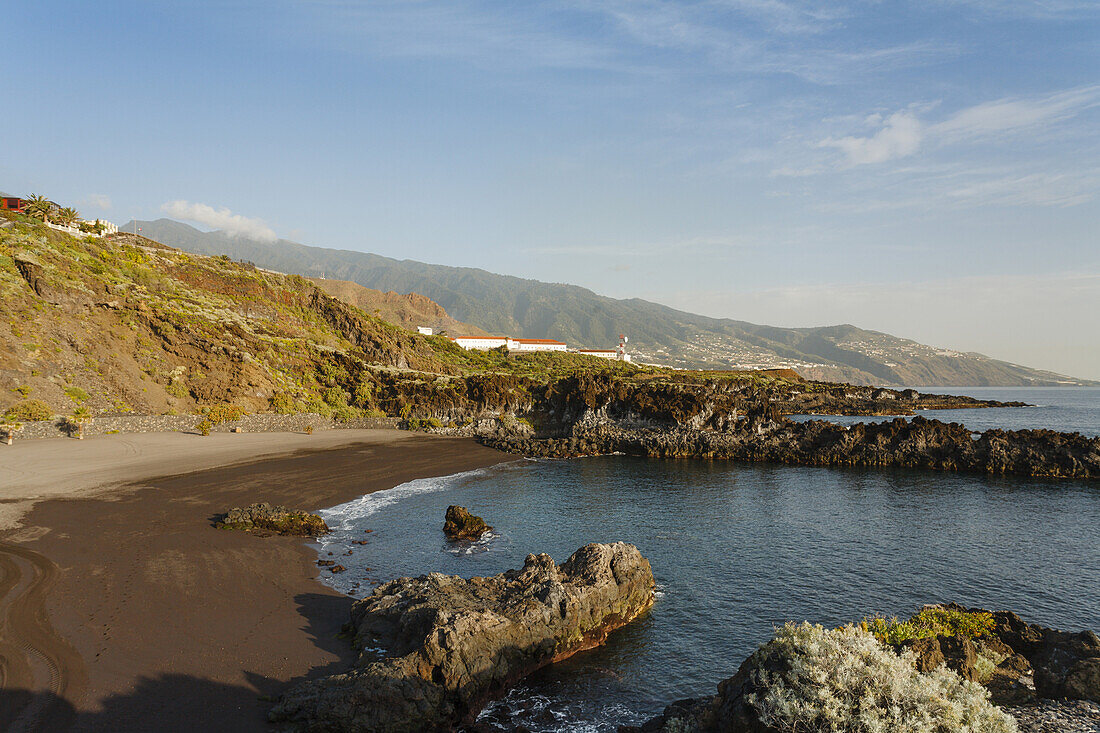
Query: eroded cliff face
{"points": [[434, 649]]}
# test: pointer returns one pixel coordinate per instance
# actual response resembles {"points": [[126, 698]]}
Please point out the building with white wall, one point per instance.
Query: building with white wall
{"points": [[481, 343], [536, 345], [424, 330], [611, 354]]}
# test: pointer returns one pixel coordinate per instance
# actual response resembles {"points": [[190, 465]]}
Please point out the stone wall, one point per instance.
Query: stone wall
{"points": [[264, 423]]}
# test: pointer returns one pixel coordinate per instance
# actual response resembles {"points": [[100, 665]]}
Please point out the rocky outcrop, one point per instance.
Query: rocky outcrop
{"points": [[434, 649], [1066, 664], [461, 525], [264, 517], [765, 436]]}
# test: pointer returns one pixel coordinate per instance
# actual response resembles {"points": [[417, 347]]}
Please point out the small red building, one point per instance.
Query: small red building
{"points": [[12, 203]]}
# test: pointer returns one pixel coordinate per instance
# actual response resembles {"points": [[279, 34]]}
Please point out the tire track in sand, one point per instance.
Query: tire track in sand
{"points": [[33, 657]]}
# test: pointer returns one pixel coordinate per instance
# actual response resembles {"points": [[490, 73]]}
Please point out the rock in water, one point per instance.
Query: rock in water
{"points": [[452, 644], [461, 525], [277, 519]]}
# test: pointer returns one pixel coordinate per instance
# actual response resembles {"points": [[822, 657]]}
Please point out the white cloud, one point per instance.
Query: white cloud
{"points": [[900, 136], [232, 224], [96, 200]]}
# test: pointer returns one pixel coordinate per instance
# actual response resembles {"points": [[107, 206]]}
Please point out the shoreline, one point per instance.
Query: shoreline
{"points": [[139, 615]]}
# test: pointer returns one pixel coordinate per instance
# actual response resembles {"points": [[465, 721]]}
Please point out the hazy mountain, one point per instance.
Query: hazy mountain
{"points": [[503, 304]]}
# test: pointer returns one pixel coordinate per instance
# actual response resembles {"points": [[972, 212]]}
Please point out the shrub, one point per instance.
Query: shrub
{"points": [[316, 404], [364, 393], [283, 403], [204, 426], [29, 411], [76, 394], [345, 414], [335, 397], [813, 679], [930, 622], [177, 389], [225, 412], [23, 390]]}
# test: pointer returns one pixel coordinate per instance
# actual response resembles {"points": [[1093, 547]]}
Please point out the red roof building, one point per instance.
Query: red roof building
{"points": [[12, 203]]}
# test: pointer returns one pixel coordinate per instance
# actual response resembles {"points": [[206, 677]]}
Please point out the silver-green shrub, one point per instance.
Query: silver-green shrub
{"points": [[814, 679]]}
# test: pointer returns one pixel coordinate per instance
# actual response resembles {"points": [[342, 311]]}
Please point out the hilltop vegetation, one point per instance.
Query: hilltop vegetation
{"points": [[529, 308]]}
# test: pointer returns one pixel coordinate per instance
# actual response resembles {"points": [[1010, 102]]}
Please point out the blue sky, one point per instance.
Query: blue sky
{"points": [[930, 169]]}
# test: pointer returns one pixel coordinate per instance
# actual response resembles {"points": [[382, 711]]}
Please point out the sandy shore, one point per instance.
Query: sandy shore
{"points": [[121, 608]]}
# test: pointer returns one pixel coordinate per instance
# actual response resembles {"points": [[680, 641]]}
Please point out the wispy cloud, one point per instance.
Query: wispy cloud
{"points": [[232, 224], [1005, 116], [730, 37], [1037, 9], [902, 134]]}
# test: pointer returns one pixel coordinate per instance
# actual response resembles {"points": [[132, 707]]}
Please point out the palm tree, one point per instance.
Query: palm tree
{"points": [[68, 216], [39, 207], [81, 415]]}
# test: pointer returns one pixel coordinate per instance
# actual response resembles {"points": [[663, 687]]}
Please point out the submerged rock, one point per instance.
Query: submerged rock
{"points": [[461, 525], [435, 649], [271, 518]]}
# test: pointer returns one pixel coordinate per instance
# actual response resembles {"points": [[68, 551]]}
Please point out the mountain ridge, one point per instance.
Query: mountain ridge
{"points": [[506, 304]]}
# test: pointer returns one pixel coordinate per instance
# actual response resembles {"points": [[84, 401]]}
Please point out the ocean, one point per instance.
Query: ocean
{"points": [[739, 549], [1065, 409]]}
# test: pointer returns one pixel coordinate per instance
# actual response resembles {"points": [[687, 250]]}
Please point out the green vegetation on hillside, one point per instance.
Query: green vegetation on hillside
{"points": [[123, 324], [515, 306]]}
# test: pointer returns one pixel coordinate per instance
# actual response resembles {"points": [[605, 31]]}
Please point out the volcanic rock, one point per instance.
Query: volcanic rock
{"points": [[461, 525], [451, 644], [271, 518]]}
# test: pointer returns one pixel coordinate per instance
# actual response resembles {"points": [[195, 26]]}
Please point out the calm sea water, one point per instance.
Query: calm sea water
{"points": [[1066, 409], [737, 550]]}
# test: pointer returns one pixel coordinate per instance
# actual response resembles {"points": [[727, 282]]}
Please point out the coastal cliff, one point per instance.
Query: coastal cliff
{"points": [[435, 649]]}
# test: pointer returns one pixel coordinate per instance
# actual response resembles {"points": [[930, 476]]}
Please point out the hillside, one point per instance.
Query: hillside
{"points": [[123, 324], [408, 310], [509, 305]]}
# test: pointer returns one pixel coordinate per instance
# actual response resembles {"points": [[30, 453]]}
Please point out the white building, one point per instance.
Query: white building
{"points": [[536, 345], [611, 354], [494, 342], [481, 343], [424, 330]]}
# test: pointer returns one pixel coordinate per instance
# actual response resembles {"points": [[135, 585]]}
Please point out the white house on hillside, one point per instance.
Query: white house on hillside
{"points": [[536, 345], [494, 342], [480, 343]]}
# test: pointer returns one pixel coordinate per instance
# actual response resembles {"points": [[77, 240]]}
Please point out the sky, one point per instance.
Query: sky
{"points": [[930, 169]]}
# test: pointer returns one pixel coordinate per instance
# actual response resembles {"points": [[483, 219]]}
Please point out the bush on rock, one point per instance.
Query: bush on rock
{"points": [[812, 678]]}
